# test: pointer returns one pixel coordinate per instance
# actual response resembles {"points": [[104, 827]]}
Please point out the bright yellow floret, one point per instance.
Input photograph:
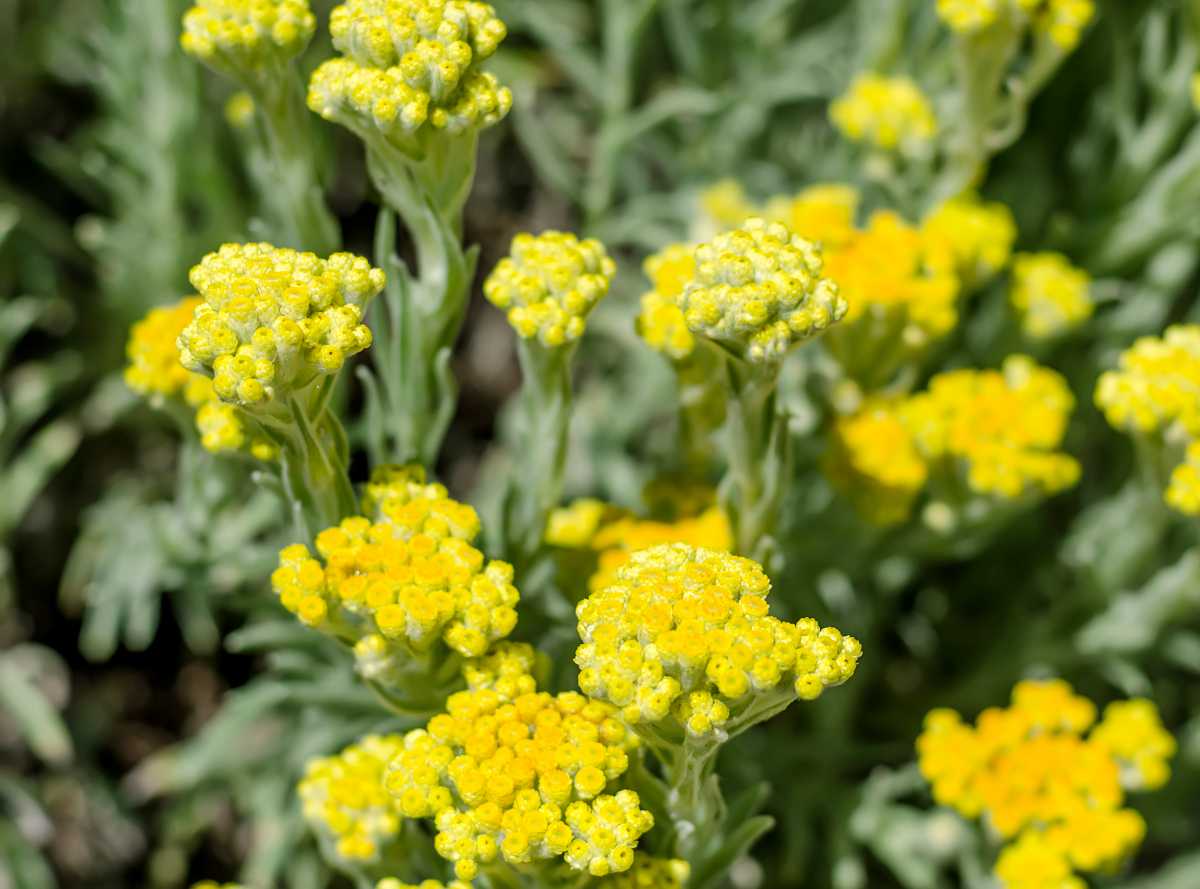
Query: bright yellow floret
{"points": [[1183, 489], [874, 460], [1154, 387], [508, 772], [661, 323], [241, 37], [573, 526], [1063, 21], [393, 883], [683, 634], [822, 213], [273, 319], [1133, 733], [759, 290], [154, 370], [400, 495], [1002, 427], [887, 270], [408, 64], [344, 798], [969, 238], [890, 113], [615, 541], [968, 16], [549, 283], [398, 586], [1043, 783], [1049, 294]]}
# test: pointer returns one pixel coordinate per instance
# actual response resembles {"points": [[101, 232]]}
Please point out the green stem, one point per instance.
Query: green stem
{"points": [[294, 195], [546, 414], [694, 799], [417, 392], [758, 451]]}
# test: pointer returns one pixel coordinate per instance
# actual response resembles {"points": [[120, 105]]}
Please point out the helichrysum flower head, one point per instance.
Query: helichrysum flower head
{"points": [[661, 323], [509, 772], [273, 320], [401, 495], [683, 634], [1062, 21], [968, 16], [1183, 488], [888, 113], [874, 460], [573, 526], [1154, 386], [344, 798], [398, 589], [242, 37], [822, 213], [617, 540], [759, 290], [1001, 428], [1049, 294], [1042, 782], [549, 283], [409, 65], [969, 238], [1133, 734], [886, 272]]}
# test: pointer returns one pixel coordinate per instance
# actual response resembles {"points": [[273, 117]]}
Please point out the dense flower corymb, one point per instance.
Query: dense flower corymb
{"points": [[344, 797], [1154, 387], [874, 460], [409, 64], [511, 772], [1043, 783], [1049, 293], [239, 37], [274, 319], [1002, 425], [887, 112], [684, 633], [758, 290], [549, 283], [402, 496]]}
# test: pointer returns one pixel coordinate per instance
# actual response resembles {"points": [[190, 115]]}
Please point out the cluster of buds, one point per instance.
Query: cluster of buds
{"points": [[511, 773], [408, 66], [1049, 294], [1060, 21], [683, 635], [1152, 394], [759, 290], [549, 283], [1052, 791], [154, 371], [274, 320], [241, 38], [887, 113]]}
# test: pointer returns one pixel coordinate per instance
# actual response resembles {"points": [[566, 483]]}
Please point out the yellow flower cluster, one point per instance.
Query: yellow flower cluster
{"points": [[1002, 426], [652, 873], [683, 633], [970, 238], [408, 64], [343, 796], [874, 460], [1038, 778], [273, 319], [1049, 294], [890, 113], [509, 772], [155, 372], [397, 587], [400, 495], [393, 883], [661, 323], [1183, 488], [759, 290], [1062, 21], [1154, 387], [888, 268], [240, 37], [549, 283]]}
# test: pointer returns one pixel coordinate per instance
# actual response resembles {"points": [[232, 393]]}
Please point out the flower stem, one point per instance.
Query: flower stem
{"points": [[758, 451], [294, 197]]}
